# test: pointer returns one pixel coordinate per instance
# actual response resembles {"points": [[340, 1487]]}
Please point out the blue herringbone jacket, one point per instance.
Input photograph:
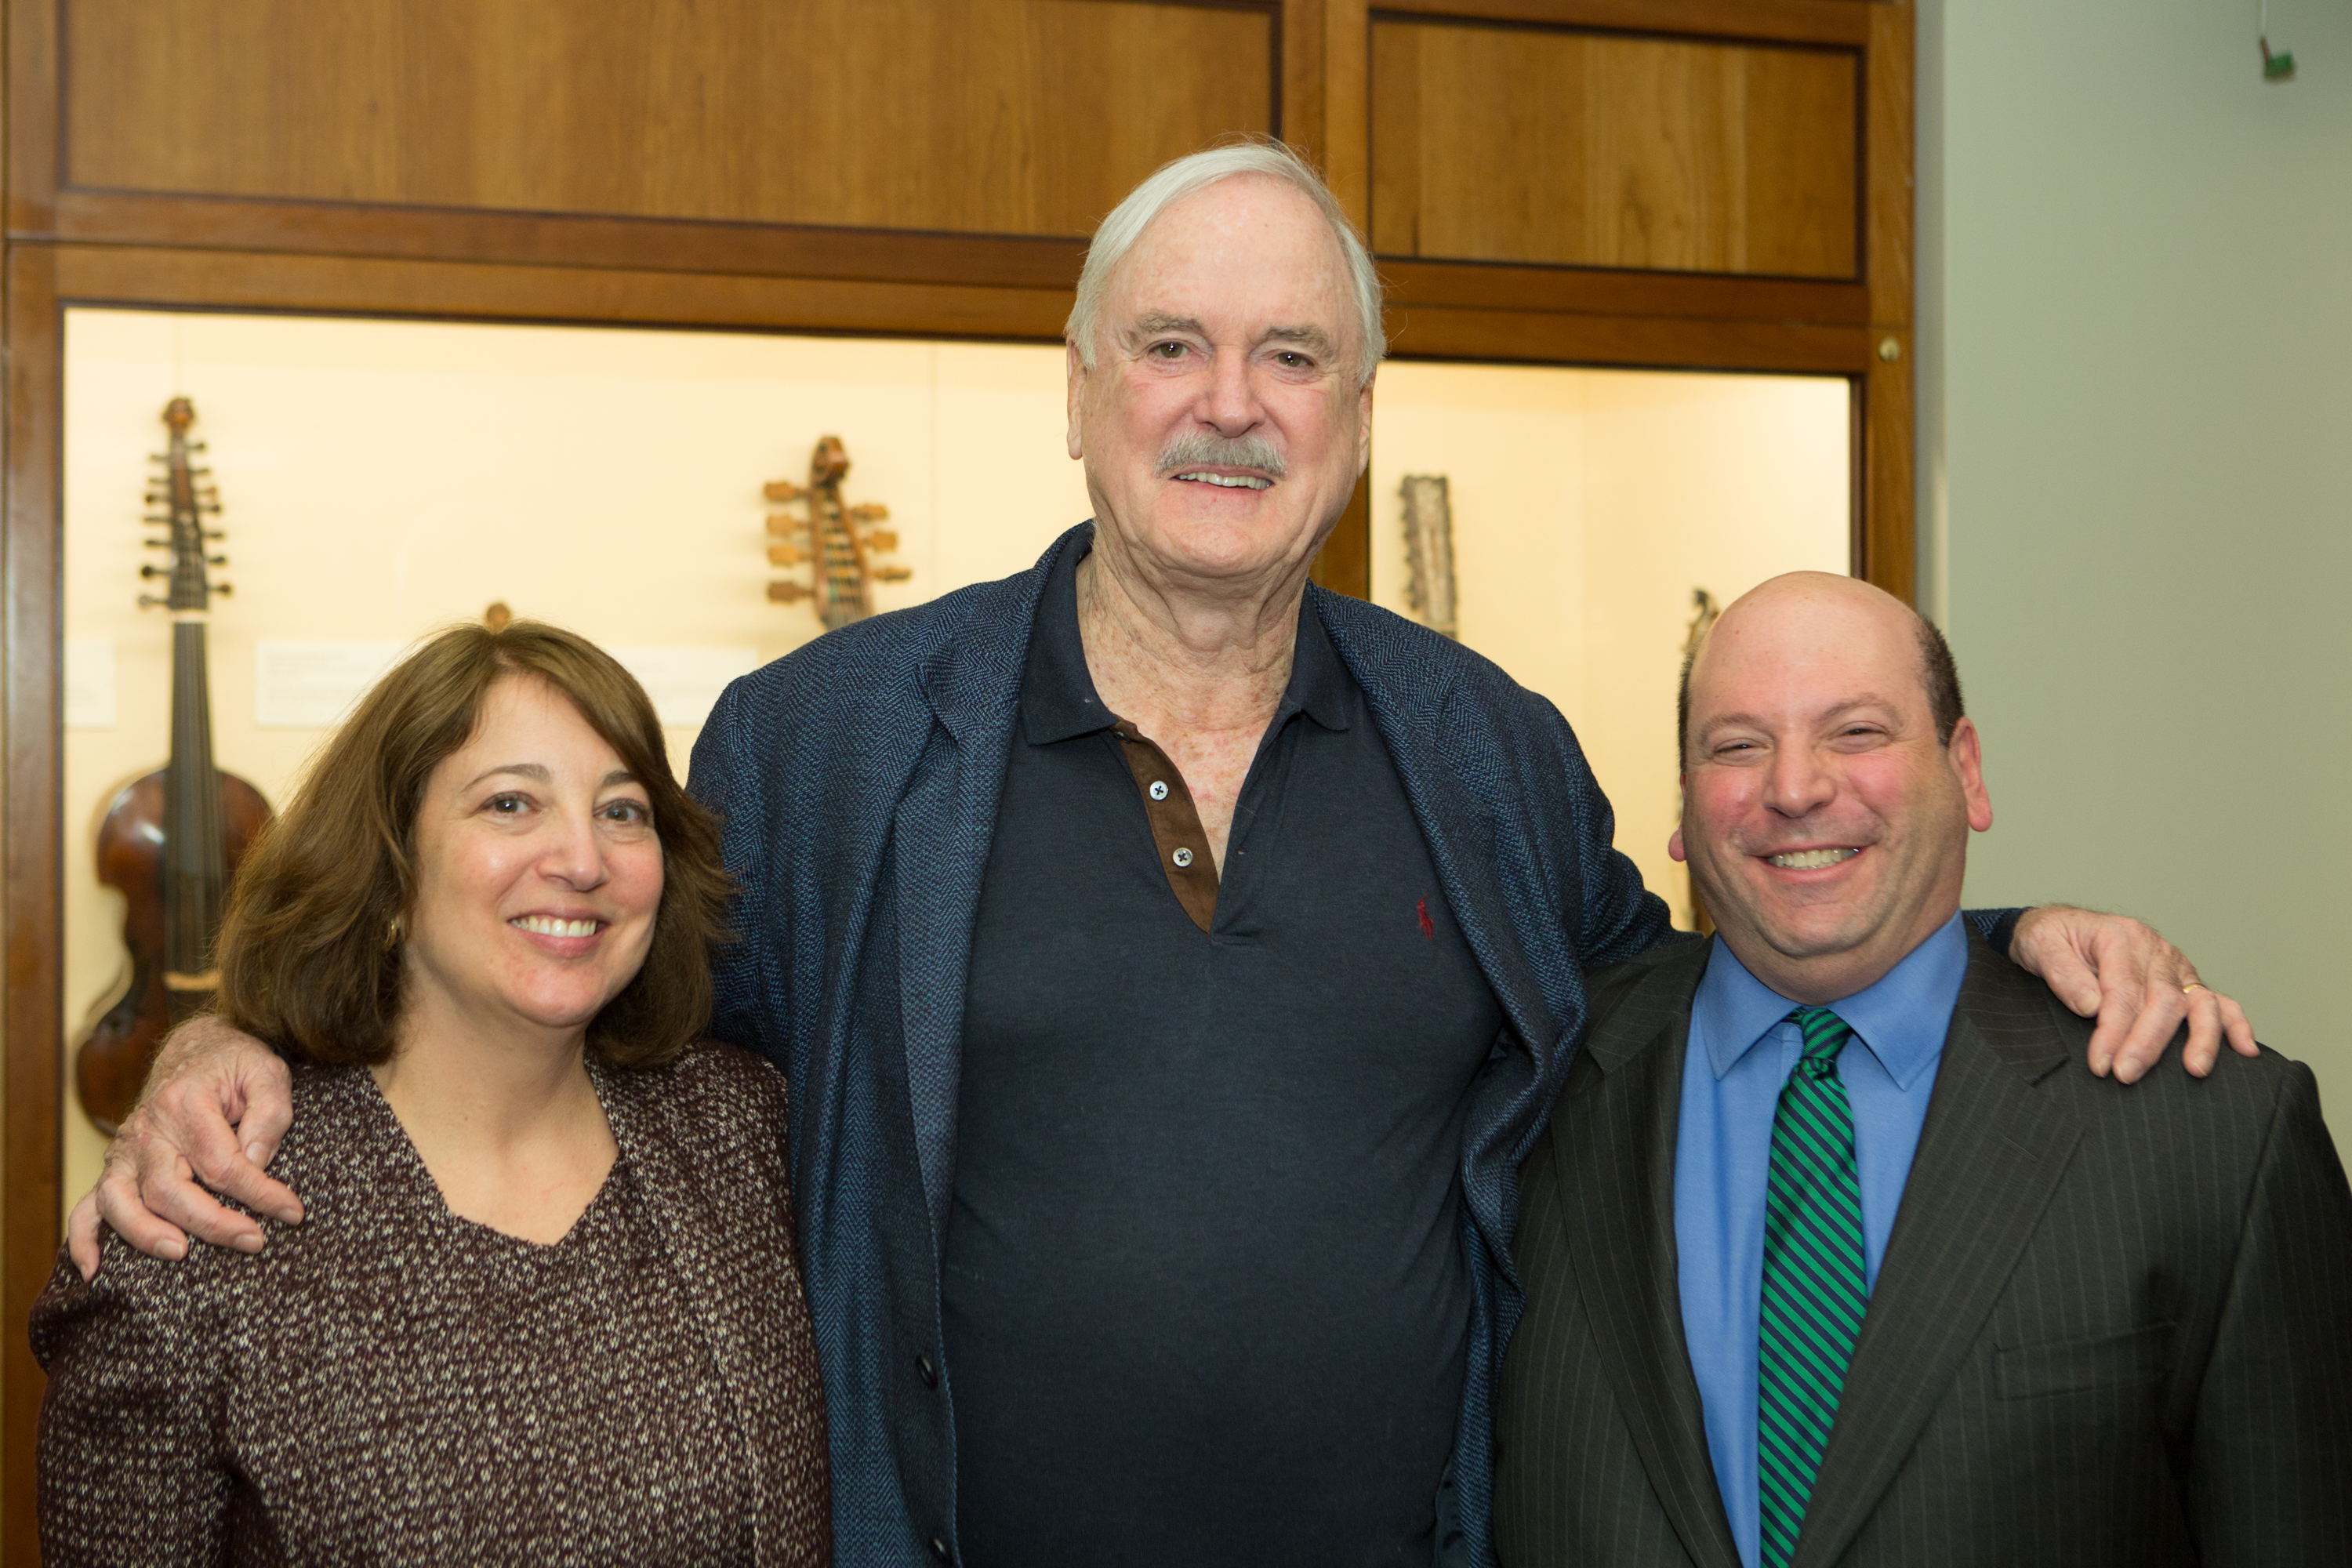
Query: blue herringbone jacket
{"points": [[858, 779]]}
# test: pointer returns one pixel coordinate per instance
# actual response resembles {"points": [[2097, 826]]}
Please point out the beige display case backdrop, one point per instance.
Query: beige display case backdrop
{"points": [[379, 479], [1587, 505], [382, 478]]}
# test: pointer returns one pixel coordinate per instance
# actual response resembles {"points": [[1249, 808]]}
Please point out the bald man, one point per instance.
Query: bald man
{"points": [[1836, 1252]]}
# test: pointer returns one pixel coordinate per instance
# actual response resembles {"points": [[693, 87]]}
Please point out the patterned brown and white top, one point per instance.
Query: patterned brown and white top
{"points": [[389, 1383]]}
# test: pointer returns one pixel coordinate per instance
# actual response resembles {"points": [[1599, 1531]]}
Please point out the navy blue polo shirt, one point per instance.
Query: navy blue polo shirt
{"points": [[1205, 1300]]}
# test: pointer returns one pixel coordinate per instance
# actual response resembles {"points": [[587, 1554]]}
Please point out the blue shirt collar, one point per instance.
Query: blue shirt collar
{"points": [[1902, 1018]]}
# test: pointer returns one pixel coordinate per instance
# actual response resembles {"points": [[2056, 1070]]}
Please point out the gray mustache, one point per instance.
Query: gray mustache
{"points": [[1198, 449]]}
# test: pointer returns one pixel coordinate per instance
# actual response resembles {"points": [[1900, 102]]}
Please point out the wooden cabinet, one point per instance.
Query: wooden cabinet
{"points": [[1721, 185]]}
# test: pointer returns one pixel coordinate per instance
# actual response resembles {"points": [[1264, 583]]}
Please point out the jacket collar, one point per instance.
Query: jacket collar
{"points": [[971, 675]]}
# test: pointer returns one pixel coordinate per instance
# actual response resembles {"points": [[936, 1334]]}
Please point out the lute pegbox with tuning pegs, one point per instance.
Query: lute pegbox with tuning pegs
{"points": [[838, 541]]}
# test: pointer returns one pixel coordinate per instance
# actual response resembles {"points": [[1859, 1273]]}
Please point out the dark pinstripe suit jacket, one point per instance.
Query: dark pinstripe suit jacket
{"points": [[2113, 1324]]}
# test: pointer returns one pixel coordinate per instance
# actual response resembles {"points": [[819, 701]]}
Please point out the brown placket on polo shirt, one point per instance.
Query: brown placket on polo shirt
{"points": [[1175, 824]]}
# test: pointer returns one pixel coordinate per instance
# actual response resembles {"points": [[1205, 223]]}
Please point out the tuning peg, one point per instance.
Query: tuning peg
{"points": [[212, 534], [883, 540], [223, 589], [870, 511], [151, 570], [216, 560], [788, 593], [783, 489], [159, 544], [198, 447], [893, 573], [784, 524], [150, 602], [785, 555]]}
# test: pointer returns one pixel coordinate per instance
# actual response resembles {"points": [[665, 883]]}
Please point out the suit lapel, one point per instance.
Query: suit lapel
{"points": [[1614, 1145], [940, 836], [1990, 1153]]}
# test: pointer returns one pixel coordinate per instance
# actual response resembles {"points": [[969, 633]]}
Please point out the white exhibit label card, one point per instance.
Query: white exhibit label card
{"points": [[90, 683], [685, 682], [313, 685]]}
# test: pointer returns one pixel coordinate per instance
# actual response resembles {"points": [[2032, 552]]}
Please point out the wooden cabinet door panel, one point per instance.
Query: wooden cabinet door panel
{"points": [[1028, 116], [1558, 147]]}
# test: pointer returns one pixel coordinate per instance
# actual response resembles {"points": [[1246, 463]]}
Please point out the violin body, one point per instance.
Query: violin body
{"points": [[121, 1043]]}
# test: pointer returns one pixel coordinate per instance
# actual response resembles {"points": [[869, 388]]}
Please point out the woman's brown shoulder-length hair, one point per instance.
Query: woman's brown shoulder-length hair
{"points": [[310, 958]]}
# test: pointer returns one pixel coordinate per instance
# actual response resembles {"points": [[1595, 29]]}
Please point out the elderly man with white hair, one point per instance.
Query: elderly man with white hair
{"points": [[1172, 962]]}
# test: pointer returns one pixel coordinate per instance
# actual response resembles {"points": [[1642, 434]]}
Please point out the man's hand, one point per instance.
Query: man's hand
{"points": [[216, 1105], [2137, 984]]}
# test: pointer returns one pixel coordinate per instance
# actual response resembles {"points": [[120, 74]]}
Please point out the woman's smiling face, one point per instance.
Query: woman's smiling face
{"points": [[537, 872]]}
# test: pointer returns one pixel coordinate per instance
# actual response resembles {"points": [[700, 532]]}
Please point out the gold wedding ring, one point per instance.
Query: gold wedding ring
{"points": [[2195, 985]]}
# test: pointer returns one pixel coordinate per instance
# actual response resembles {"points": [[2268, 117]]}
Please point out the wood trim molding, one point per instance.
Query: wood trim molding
{"points": [[1347, 108], [1598, 291], [31, 113], [1779, 21], [223, 279], [1344, 564], [32, 842], [1889, 155], [1654, 343], [659, 244], [1888, 548]]}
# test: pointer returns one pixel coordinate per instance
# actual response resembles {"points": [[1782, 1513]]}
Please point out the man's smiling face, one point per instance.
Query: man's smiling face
{"points": [[1222, 423], [1825, 823]]}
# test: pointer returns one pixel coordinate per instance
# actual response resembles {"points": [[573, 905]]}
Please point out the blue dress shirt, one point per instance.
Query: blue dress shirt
{"points": [[1742, 1052]]}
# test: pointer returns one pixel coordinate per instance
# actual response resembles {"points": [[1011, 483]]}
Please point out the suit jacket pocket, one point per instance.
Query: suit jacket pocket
{"points": [[2066, 1367]]}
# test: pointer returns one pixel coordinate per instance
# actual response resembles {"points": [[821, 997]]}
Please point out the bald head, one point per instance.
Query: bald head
{"points": [[1830, 783], [1801, 591]]}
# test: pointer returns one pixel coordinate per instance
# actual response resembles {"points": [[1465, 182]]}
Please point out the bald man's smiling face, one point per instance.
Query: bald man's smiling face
{"points": [[1825, 824]]}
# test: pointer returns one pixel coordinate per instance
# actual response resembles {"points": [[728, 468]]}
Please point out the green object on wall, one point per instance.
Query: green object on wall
{"points": [[2279, 66]]}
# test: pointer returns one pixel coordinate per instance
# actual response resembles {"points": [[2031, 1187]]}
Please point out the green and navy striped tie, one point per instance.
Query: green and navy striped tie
{"points": [[1814, 1288]]}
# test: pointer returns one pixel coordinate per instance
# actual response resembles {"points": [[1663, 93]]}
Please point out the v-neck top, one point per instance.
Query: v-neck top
{"points": [[388, 1382], [1205, 1297]]}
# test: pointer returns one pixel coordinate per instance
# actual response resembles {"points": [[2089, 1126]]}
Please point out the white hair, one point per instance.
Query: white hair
{"points": [[1171, 183]]}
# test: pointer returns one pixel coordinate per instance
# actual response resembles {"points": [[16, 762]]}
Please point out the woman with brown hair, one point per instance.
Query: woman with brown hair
{"points": [[544, 1305]]}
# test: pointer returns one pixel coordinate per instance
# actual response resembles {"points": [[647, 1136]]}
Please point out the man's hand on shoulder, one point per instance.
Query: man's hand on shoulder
{"points": [[2139, 986], [216, 1105]]}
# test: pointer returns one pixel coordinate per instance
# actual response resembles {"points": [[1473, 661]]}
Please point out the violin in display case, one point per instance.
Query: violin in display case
{"points": [[170, 841]]}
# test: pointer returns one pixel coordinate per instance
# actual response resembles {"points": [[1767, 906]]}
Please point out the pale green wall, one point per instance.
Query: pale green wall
{"points": [[2136, 476]]}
